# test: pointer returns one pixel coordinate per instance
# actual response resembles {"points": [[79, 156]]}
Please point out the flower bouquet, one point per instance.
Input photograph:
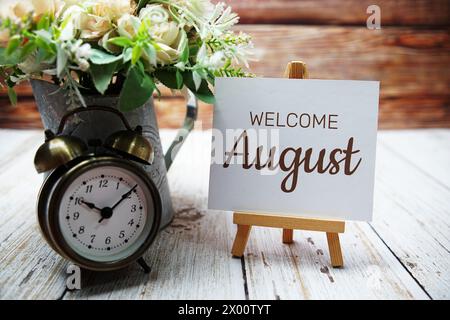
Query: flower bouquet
{"points": [[120, 47]]}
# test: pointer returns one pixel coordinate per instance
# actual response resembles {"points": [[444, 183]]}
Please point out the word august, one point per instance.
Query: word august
{"points": [[293, 160]]}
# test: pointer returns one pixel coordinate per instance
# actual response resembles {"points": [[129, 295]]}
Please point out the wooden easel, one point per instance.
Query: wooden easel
{"points": [[245, 220]]}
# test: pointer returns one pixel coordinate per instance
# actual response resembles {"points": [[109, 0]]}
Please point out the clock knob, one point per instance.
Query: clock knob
{"points": [[131, 143], [57, 151]]}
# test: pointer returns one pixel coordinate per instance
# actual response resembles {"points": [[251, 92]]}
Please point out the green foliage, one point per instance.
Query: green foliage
{"points": [[12, 96], [100, 57], [203, 92], [172, 79], [137, 88], [50, 44], [102, 74]]}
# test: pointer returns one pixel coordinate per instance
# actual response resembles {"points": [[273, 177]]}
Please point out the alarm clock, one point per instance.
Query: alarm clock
{"points": [[99, 210]]}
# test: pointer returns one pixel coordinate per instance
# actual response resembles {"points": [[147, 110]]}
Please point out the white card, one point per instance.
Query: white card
{"points": [[316, 141]]}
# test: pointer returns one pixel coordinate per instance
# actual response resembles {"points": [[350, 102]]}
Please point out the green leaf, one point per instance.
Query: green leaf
{"points": [[61, 61], [184, 57], [137, 89], [12, 96], [13, 44], [121, 41], [102, 75], [136, 54], [27, 49], [10, 60], [44, 22], [203, 92], [127, 55], [171, 79], [102, 57], [150, 52]]}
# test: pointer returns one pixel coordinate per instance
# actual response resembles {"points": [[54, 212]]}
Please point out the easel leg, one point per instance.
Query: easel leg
{"points": [[240, 242], [288, 236], [334, 247]]}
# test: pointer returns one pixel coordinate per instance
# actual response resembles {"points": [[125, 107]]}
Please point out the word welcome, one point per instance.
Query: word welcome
{"points": [[292, 120], [326, 161]]}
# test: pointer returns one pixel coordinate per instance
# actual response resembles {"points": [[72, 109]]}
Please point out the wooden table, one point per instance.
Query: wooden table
{"points": [[402, 254]]}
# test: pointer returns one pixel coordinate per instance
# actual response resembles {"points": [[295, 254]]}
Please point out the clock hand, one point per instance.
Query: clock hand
{"points": [[124, 196], [90, 205], [107, 212]]}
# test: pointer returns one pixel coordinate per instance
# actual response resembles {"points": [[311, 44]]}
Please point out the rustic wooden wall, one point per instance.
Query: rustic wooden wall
{"points": [[410, 55]]}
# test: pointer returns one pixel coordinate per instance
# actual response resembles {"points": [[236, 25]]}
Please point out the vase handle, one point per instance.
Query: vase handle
{"points": [[188, 125]]}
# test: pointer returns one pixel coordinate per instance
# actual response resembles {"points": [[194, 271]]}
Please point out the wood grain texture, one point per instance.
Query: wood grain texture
{"points": [[287, 222], [301, 270], [410, 63], [334, 248], [29, 268], [344, 12], [403, 254], [415, 200]]}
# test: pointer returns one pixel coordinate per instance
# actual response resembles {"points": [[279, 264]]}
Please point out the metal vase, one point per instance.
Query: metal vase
{"points": [[52, 104]]}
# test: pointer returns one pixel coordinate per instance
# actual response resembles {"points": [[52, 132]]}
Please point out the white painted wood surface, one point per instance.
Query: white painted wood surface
{"points": [[402, 254]]}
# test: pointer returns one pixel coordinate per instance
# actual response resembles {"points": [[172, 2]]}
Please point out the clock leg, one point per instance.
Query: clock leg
{"points": [[144, 265]]}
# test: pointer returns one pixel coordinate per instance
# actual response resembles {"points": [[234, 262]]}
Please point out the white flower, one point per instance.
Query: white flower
{"points": [[155, 13], [109, 9], [216, 61], [41, 7], [83, 51], [94, 18], [17, 9], [166, 54], [128, 26], [199, 8]]}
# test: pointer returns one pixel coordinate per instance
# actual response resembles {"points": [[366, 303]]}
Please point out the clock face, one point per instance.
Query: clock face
{"points": [[105, 213]]}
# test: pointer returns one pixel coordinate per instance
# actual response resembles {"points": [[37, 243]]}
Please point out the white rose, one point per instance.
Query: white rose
{"points": [[93, 27], [166, 54], [109, 9], [21, 9], [166, 33], [41, 7], [128, 25], [155, 13]]}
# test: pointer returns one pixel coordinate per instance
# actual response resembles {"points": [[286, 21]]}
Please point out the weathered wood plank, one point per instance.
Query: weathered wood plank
{"points": [[412, 208], [192, 259], [302, 270], [30, 269], [410, 64], [351, 12], [428, 150]]}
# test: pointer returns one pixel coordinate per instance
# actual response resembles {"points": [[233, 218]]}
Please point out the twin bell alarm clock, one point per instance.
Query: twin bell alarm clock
{"points": [[98, 209]]}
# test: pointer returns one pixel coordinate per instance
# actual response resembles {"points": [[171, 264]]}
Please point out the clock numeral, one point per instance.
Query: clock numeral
{"points": [[92, 238], [79, 201], [108, 240], [89, 188], [117, 185], [103, 183], [131, 222], [81, 230], [76, 215], [122, 234], [133, 208]]}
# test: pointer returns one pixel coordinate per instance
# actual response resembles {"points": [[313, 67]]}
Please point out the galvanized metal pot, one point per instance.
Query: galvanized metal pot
{"points": [[52, 104]]}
